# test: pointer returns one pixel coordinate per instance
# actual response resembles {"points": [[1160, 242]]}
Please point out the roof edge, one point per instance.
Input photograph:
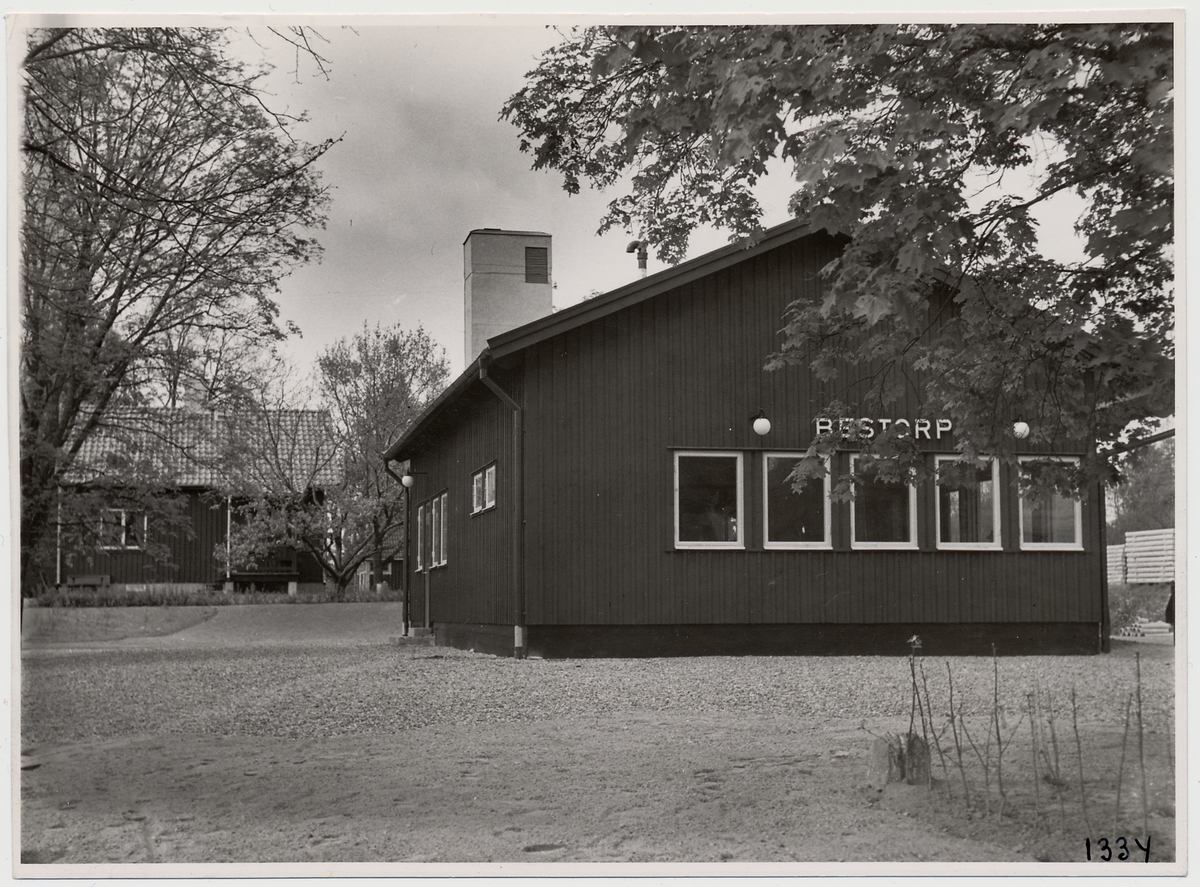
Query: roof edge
{"points": [[395, 452], [576, 315], [639, 290]]}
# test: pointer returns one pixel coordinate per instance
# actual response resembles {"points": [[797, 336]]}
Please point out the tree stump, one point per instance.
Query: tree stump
{"points": [[886, 763], [916, 760]]}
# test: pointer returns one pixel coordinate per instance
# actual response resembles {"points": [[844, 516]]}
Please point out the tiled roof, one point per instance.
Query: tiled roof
{"points": [[190, 448]]}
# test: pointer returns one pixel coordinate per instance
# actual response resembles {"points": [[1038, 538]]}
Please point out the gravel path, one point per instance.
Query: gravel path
{"points": [[71, 695], [377, 753]]}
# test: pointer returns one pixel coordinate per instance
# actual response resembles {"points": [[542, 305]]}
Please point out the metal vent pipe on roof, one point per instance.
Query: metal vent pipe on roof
{"points": [[641, 248]]}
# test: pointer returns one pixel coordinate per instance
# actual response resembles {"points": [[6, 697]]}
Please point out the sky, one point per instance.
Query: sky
{"points": [[424, 159]]}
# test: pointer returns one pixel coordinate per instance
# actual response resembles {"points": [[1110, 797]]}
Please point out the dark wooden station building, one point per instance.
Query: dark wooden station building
{"points": [[594, 484]]}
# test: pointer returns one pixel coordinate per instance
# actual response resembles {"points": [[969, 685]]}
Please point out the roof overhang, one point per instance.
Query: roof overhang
{"points": [[522, 337]]}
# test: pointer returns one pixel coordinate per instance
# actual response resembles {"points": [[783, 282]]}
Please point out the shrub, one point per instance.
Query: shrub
{"points": [[1126, 603]]}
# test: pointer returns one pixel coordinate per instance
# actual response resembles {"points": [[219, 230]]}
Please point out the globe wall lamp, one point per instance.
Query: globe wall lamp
{"points": [[1020, 430], [761, 424]]}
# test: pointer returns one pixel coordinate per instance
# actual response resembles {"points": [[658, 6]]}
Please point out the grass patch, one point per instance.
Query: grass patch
{"points": [[112, 597], [61, 625]]}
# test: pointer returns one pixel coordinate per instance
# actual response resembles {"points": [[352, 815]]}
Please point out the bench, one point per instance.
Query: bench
{"points": [[96, 581]]}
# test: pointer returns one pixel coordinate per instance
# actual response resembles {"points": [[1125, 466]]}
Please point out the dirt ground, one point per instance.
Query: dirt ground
{"points": [[623, 787]]}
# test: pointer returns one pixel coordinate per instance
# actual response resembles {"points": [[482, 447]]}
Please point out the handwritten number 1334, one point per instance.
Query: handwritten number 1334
{"points": [[1104, 851]]}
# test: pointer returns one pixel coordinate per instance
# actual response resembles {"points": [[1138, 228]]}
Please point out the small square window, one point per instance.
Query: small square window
{"points": [[483, 489], [121, 529]]}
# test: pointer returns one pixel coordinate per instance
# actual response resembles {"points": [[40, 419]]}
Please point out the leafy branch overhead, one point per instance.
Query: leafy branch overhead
{"points": [[932, 149]]}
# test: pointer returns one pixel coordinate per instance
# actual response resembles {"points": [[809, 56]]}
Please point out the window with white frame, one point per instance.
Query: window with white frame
{"points": [[483, 489], [433, 518], [121, 529], [708, 500], [445, 511], [968, 504], [794, 518], [421, 537], [435, 532], [883, 512], [1051, 521]]}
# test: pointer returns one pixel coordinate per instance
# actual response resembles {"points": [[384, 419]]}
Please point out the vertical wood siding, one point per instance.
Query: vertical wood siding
{"points": [[475, 583], [605, 404]]}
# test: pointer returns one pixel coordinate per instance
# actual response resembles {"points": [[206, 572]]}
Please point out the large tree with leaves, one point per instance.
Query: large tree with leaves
{"points": [[163, 203], [931, 148], [331, 497]]}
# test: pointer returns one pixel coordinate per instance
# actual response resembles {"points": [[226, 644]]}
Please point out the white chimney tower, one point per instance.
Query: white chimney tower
{"points": [[507, 283]]}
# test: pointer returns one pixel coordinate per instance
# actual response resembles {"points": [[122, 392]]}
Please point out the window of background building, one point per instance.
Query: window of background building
{"points": [[793, 519], [120, 529], [537, 264], [968, 507], [883, 514], [708, 500], [1051, 522]]}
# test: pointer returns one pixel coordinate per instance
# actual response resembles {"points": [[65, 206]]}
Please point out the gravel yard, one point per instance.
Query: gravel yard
{"points": [[418, 754], [337, 691]]}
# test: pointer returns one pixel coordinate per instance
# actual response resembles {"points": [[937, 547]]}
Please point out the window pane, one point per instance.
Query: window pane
{"points": [[111, 529], [489, 487], [881, 512], [966, 509], [420, 536], [708, 499], [134, 524], [445, 520], [436, 534], [476, 492], [1048, 521], [792, 516]]}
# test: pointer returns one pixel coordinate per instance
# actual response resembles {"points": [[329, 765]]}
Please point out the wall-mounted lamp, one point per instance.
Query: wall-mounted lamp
{"points": [[761, 424], [408, 480], [1020, 430]]}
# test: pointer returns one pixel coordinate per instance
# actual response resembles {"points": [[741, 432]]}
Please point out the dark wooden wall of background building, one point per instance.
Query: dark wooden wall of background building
{"points": [[191, 558]]}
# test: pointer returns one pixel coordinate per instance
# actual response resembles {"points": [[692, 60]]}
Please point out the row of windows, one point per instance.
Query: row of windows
{"points": [[710, 496], [431, 532], [432, 517]]}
